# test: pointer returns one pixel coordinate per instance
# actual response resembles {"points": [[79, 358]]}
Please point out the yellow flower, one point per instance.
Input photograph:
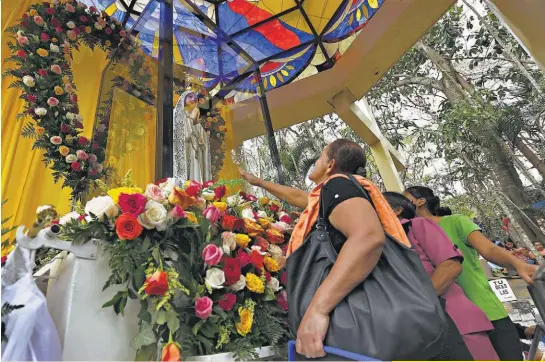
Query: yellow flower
{"points": [[108, 43], [42, 52], [221, 206], [264, 201], [246, 320], [39, 130], [254, 283], [88, 29], [114, 193], [58, 90], [271, 264], [64, 150], [112, 161], [252, 228], [191, 217], [265, 223], [54, 40], [33, 12], [69, 138], [242, 240], [66, 79], [128, 147]]}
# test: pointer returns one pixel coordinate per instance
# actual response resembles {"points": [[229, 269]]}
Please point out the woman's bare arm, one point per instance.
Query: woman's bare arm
{"points": [[292, 196]]}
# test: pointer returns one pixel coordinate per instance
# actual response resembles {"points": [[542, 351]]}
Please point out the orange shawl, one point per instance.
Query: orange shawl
{"points": [[308, 218]]}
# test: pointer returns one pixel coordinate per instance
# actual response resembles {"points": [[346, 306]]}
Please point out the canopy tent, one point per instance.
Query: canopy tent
{"points": [[239, 49]]}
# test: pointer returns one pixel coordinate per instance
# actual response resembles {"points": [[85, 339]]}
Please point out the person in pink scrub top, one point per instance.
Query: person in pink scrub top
{"points": [[442, 261]]}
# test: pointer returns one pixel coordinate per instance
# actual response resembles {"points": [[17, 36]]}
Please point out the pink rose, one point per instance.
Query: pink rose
{"points": [[154, 192], [31, 98], [82, 155], [282, 300], [42, 72], [203, 307], [212, 214], [108, 31], [83, 18], [22, 40], [68, 88], [212, 254], [193, 188], [284, 217], [38, 20], [76, 166], [83, 140], [123, 33], [52, 101], [176, 213], [93, 9], [92, 158], [70, 8], [55, 68], [58, 29], [56, 140], [44, 37], [50, 11]]}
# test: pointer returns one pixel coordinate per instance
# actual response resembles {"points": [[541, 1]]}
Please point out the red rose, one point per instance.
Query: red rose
{"points": [[24, 23], [31, 98], [227, 302], [134, 204], [193, 188], [50, 11], [208, 184], [93, 9], [55, 23], [4, 258], [83, 18], [82, 140], [127, 227], [262, 243], [65, 128], [282, 300], [274, 208], [76, 166], [82, 217], [243, 258], [77, 31], [256, 259], [44, 37], [268, 276], [219, 192], [42, 72], [231, 270], [158, 182], [286, 218], [21, 53], [228, 222], [284, 278], [30, 111], [108, 31], [157, 283], [74, 98]]}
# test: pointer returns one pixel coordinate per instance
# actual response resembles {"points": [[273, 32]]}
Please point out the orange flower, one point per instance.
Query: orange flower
{"points": [[58, 90], [63, 150], [252, 228], [157, 283], [265, 223], [191, 217], [171, 353], [39, 130], [179, 197], [127, 227], [274, 236]]}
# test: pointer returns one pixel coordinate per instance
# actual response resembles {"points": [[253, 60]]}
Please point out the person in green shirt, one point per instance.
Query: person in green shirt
{"points": [[467, 236]]}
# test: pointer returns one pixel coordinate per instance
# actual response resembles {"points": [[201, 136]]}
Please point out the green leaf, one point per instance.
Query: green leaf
{"points": [[146, 353], [132, 294], [173, 321], [145, 337], [195, 329], [113, 301], [119, 307], [156, 256], [161, 317], [209, 329], [144, 314], [269, 295], [146, 244]]}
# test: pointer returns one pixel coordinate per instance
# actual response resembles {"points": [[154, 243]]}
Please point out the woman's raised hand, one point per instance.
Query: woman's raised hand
{"points": [[253, 180]]}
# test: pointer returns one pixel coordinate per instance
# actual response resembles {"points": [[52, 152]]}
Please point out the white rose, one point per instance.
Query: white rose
{"points": [[229, 241], [100, 206], [40, 111], [43, 208], [79, 118], [241, 284], [258, 249], [208, 195], [54, 48], [71, 24], [168, 185], [69, 217], [280, 226], [71, 158], [233, 200], [20, 33], [155, 193], [70, 116], [155, 216], [29, 81], [98, 26], [262, 214], [215, 278], [248, 213], [275, 250], [274, 285]]}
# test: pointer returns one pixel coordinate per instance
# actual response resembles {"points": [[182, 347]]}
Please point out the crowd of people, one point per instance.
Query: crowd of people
{"points": [[448, 246]]}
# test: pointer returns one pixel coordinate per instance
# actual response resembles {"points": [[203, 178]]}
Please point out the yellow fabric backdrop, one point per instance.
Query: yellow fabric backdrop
{"points": [[26, 182]]}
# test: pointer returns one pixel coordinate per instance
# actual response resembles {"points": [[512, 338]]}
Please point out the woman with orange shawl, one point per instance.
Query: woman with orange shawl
{"points": [[345, 206]]}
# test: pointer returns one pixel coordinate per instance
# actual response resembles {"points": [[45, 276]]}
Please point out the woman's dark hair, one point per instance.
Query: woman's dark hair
{"points": [[348, 155], [444, 211], [397, 200], [421, 192]]}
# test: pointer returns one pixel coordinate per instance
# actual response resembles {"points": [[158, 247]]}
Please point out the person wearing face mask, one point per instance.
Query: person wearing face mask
{"points": [[467, 236], [443, 263]]}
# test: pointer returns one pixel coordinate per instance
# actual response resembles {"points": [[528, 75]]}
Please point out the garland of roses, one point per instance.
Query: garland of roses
{"points": [[42, 52]]}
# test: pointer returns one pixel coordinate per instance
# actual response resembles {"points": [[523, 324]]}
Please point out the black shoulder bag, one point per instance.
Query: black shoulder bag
{"points": [[394, 314]]}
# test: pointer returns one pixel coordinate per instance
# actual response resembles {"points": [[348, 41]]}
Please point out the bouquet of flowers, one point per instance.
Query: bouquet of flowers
{"points": [[206, 267]]}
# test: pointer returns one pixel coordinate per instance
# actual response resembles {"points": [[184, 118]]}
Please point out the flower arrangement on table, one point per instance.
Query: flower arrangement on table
{"points": [[42, 52], [206, 268]]}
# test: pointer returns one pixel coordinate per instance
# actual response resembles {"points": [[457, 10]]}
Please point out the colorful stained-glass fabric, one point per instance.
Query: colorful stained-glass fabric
{"points": [[222, 41]]}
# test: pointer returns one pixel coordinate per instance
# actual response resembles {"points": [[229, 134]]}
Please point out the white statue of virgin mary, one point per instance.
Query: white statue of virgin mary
{"points": [[191, 141]]}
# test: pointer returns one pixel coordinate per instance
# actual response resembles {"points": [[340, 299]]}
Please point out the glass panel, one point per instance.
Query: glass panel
{"points": [[347, 23], [320, 12]]}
